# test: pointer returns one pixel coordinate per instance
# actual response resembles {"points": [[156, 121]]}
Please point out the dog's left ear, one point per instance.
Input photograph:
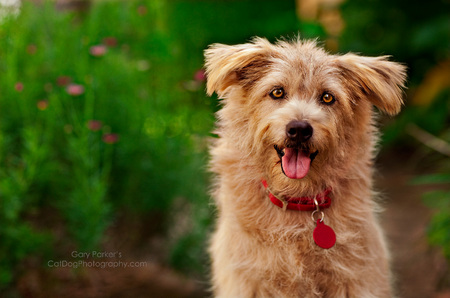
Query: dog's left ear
{"points": [[375, 78]]}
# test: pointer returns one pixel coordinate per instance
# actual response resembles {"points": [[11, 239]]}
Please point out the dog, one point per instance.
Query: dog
{"points": [[293, 166]]}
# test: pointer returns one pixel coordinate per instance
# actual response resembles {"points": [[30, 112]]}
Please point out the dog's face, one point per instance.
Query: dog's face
{"points": [[301, 114]]}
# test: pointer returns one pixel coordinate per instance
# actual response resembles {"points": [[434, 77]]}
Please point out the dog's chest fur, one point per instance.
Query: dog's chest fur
{"points": [[271, 253]]}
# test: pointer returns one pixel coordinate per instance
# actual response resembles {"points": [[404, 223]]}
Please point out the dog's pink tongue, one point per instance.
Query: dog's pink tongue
{"points": [[295, 163]]}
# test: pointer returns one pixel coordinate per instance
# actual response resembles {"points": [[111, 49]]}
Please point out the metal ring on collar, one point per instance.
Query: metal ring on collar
{"points": [[321, 214]]}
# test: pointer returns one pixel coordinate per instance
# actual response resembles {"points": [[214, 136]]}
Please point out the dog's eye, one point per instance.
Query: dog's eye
{"points": [[277, 93], [328, 98]]}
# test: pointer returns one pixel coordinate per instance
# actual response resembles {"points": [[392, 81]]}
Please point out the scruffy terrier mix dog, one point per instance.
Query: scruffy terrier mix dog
{"points": [[294, 165]]}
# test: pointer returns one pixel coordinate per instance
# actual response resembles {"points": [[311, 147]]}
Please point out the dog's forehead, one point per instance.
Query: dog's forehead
{"points": [[300, 67], [306, 58]]}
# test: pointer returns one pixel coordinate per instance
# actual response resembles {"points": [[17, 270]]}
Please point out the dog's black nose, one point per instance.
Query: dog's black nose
{"points": [[299, 131]]}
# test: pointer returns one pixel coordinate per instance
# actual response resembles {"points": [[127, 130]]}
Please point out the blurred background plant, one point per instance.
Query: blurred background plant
{"points": [[105, 122], [95, 122]]}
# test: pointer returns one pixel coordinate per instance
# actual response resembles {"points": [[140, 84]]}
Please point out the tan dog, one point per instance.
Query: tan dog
{"points": [[294, 157]]}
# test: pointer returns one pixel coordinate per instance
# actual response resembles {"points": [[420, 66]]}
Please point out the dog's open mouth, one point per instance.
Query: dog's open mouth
{"points": [[296, 161]]}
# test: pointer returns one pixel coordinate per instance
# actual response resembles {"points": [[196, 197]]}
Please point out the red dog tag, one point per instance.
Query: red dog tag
{"points": [[323, 235]]}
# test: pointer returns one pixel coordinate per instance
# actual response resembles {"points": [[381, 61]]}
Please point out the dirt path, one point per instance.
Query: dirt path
{"points": [[420, 270]]}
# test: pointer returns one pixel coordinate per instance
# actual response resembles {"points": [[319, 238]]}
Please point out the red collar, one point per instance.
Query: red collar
{"points": [[301, 203]]}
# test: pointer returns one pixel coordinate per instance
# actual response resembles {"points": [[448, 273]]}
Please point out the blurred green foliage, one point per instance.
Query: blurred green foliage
{"points": [[413, 32], [90, 135]]}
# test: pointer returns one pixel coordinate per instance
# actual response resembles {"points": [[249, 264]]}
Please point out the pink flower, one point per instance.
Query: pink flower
{"points": [[19, 86], [63, 80], [42, 104], [110, 138], [75, 89], [98, 50], [200, 75], [110, 41], [94, 125]]}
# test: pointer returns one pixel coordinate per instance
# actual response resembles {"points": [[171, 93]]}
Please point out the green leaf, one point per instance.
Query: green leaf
{"points": [[438, 199], [432, 179]]}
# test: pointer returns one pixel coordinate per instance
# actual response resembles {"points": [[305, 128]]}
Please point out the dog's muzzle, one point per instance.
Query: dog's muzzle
{"points": [[297, 155]]}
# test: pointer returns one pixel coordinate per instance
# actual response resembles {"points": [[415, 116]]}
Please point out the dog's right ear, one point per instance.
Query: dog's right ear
{"points": [[229, 65]]}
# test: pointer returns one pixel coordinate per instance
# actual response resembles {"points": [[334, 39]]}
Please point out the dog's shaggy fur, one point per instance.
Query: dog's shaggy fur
{"points": [[259, 250]]}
